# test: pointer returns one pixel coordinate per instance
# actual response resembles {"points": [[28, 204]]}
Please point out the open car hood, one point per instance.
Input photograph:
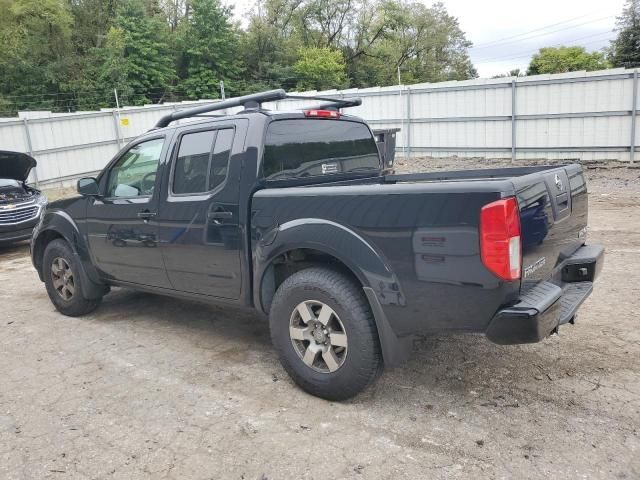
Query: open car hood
{"points": [[16, 165]]}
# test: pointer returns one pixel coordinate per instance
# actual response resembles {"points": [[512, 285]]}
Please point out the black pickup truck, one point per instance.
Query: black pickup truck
{"points": [[290, 213]]}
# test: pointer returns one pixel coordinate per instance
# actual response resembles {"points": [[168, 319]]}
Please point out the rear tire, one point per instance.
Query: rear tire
{"points": [[63, 280], [325, 334]]}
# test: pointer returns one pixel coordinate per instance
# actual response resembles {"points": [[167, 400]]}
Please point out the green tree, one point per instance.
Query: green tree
{"points": [[320, 69], [270, 44], [34, 45], [515, 72], [625, 49], [208, 50], [71, 54], [137, 56], [375, 38], [425, 43], [566, 59], [91, 22]]}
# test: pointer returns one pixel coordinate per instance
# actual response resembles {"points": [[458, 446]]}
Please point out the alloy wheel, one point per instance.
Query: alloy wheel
{"points": [[318, 336], [63, 279]]}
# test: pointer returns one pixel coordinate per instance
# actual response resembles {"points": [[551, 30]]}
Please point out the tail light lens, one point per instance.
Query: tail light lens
{"points": [[500, 247], [322, 113]]}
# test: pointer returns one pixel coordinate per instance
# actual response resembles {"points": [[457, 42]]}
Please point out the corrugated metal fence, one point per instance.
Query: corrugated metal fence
{"points": [[579, 115]]}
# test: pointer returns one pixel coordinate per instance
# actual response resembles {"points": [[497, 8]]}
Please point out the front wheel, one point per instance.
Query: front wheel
{"points": [[63, 282], [325, 335]]}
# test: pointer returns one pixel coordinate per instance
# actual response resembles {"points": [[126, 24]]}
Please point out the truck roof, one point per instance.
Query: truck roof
{"points": [[253, 103], [248, 114]]}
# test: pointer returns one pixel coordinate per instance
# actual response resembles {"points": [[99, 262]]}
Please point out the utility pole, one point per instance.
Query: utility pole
{"points": [[222, 89], [118, 131], [404, 144]]}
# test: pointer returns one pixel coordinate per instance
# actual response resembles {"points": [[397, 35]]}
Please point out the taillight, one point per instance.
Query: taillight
{"points": [[500, 247], [322, 113]]}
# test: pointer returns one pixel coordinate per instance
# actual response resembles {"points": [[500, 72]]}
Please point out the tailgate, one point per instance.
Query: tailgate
{"points": [[553, 216]]}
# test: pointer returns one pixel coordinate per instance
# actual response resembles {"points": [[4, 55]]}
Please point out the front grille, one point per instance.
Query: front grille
{"points": [[18, 214]]}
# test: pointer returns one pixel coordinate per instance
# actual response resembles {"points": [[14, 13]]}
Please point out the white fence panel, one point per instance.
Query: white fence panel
{"points": [[572, 116], [13, 136]]}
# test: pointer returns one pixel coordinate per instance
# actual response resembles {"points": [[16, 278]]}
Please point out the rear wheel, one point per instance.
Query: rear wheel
{"points": [[325, 334], [63, 282]]}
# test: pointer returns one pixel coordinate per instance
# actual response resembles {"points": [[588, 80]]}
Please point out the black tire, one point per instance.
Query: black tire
{"points": [[362, 361], [76, 304]]}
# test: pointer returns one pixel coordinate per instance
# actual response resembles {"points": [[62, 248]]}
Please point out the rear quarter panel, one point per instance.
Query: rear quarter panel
{"points": [[425, 234]]}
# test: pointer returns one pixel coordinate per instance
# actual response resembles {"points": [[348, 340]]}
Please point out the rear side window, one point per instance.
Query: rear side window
{"points": [[202, 161], [310, 147]]}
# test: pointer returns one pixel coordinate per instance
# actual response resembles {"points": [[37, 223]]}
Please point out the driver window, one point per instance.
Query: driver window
{"points": [[134, 174]]}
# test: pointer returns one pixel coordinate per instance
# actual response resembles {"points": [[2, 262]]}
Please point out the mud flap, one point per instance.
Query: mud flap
{"points": [[90, 289], [395, 350]]}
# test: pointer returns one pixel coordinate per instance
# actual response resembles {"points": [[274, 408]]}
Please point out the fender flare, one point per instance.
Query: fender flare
{"points": [[380, 284], [62, 225]]}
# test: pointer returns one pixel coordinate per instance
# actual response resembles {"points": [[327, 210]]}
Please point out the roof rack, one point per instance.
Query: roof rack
{"points": [[254, 101], [332, 103], [249, 101]]}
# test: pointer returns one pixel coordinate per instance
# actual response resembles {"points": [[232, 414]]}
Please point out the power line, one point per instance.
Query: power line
{"points": [[107, 92], [500, 40], [531, 52], [565, 43], [553, 31], [53, 104], [52, 94], [84, 102]]}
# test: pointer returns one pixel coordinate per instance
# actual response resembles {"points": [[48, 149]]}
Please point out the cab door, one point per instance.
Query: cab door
{"points": [[200, 234], [122, 229]]}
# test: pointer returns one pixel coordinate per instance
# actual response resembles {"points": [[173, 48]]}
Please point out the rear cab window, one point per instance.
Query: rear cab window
{"points": [[299, 148]]}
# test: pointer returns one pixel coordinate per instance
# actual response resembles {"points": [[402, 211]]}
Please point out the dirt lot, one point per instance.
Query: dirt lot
{"points": [[152, 387]]}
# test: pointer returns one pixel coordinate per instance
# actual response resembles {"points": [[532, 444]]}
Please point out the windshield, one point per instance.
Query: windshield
{"points": [[310, 147]]}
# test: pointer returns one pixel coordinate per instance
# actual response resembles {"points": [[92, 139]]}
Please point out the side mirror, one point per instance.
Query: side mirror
{"points": [[88, 187]]}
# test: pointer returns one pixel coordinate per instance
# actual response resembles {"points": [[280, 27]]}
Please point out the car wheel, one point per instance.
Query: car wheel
{"points": [[63, 282], [325, 334]]}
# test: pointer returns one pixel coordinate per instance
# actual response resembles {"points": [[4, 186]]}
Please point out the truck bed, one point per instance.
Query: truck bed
{"points": [[425, 228], [460, 175]]}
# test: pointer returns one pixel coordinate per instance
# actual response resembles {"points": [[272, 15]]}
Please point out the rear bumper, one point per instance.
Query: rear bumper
{"points": [[544, 306]]}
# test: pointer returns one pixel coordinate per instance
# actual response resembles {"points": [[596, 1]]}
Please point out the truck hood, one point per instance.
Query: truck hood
{"points": [[16, 165]]}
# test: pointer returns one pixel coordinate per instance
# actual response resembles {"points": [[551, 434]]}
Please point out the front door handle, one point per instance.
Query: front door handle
{"points": [[220, 214]]}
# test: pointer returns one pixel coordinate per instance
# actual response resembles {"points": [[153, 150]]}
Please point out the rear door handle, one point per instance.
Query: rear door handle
{"points": [[146, 214]]}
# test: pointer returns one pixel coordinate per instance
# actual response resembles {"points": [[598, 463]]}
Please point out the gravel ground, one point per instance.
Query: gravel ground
{"points": [[152, 387]]}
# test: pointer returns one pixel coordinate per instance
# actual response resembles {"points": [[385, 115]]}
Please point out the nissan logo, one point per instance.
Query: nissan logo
{"points": [[559, 183]]}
